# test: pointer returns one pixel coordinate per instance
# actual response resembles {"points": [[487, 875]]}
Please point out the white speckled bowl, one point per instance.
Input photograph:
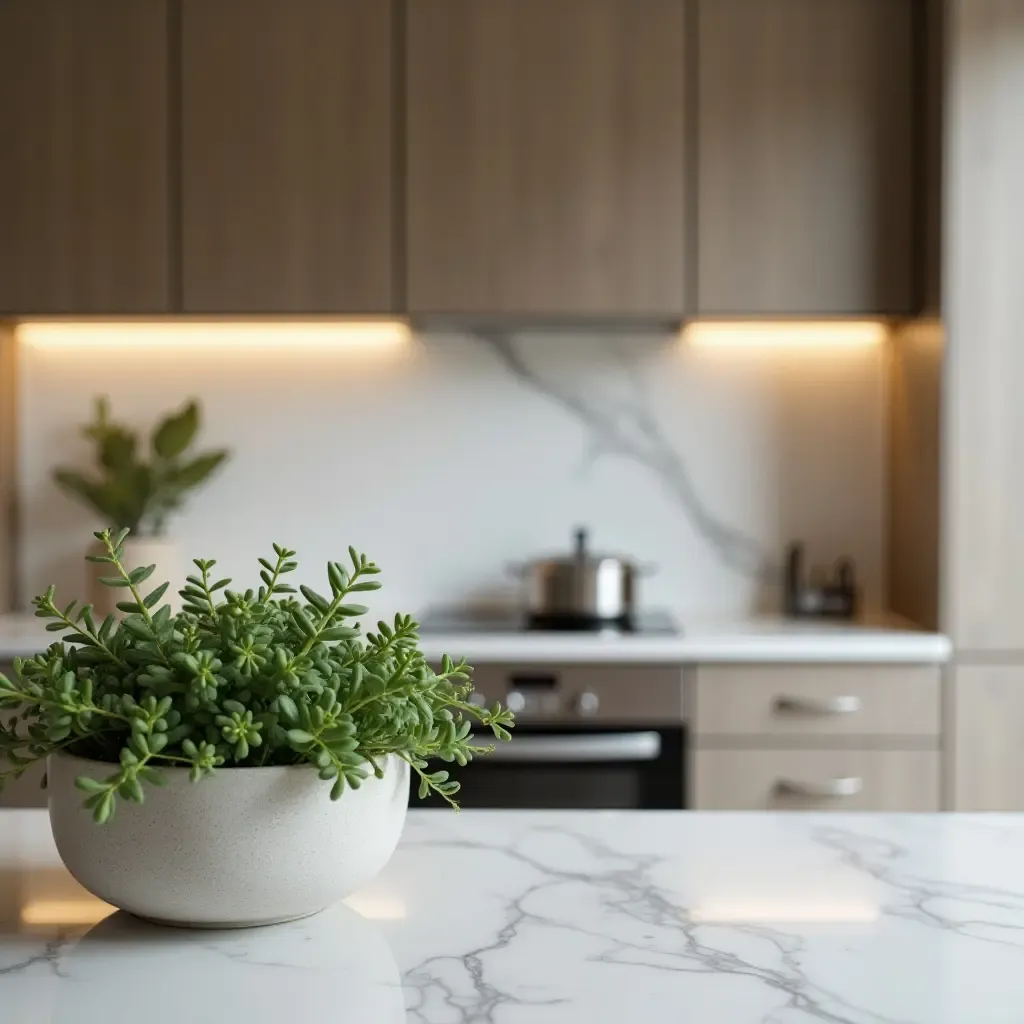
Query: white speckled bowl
{"points": [[249, 846]]}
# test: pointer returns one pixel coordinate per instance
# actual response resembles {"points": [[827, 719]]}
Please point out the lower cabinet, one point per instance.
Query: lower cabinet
{"points": [[817, 737], [816, 780], [988, 739], [26, 792]]}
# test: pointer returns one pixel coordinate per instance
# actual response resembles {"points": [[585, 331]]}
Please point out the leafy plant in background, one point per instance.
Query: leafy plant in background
{"points": [[247, 678], [136, 489]]}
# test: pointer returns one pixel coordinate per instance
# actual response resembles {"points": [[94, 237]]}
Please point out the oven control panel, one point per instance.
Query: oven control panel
{"points": [[571, 693]]}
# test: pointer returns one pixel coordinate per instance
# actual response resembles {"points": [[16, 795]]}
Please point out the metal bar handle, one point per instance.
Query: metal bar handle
{"points": [[848, 705], [830, 789], [609, 746]]}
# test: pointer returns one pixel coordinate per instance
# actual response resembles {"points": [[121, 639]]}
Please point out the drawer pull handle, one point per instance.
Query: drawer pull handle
{"points": [[830, 789], [818, 705]]}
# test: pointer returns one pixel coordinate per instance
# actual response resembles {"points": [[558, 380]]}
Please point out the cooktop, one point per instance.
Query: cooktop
{"points": [[653, 623]]}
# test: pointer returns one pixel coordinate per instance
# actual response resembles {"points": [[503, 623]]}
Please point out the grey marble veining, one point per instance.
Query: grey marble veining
{"points": [[630, 429], [543, 917]]}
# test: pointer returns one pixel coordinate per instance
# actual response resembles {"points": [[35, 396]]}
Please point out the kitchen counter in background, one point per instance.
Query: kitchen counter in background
{"points": [[564, 917], [738, 640], [883, 640]]}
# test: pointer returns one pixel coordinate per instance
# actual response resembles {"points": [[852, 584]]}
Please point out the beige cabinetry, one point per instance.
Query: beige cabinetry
{"points": [[805, 141], [540, 159], [982, 552], [287, 156], [84, 195], [27, 791], [799, 701], [988, 742], [816, 780], [816, 737], [546, 169], [983, 481], [8, 467]]}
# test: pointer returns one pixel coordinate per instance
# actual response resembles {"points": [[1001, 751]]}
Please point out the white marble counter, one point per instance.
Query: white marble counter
{"points": [[564, 918], [739, 640]]}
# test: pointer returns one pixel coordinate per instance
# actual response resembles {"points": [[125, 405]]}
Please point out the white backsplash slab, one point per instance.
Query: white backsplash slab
{"points": [[456, 454]]}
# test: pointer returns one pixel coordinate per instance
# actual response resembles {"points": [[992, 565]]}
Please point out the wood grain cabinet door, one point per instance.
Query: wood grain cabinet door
{"points": [[988, 754], [805, 142], [287, 156], [983, 415], [83, 170], [546, 157]]}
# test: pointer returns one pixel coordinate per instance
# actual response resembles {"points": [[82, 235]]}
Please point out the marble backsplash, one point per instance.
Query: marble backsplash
{"points": [[449, 457]]}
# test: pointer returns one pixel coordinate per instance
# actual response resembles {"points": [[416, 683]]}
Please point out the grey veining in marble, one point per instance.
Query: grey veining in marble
{"points": [[630, 429], [551, 918]]}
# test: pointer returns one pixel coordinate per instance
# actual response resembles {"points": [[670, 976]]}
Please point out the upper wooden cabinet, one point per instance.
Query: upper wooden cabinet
{"points": [[546, 170], [806, 135], [287, 156], [83, 173], [252, 156], [982, 555]]}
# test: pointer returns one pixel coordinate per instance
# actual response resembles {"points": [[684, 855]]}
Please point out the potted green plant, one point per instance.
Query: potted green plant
{"points": [[137, 487], [225, 728]]}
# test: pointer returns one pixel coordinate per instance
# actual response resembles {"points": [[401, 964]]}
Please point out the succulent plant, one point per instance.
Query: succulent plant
{"points": [[237, 678], [133, 488]]}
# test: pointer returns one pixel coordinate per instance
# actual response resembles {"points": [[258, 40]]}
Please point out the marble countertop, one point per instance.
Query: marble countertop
{"points": [[880, 639], [560, 918]]}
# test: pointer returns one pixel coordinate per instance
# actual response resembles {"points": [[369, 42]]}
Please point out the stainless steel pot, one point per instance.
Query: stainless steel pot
{"points": [[581, 586]]}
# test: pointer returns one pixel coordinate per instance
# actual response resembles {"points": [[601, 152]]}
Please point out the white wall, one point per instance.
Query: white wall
{"points": [[443, 464]]}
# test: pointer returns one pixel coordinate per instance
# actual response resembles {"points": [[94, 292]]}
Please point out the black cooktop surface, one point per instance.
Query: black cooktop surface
{"points": [[652, 623]]}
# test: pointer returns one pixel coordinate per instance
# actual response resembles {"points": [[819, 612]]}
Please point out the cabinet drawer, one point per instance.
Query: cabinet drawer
{"points": [[817, 700], [816, 780]]}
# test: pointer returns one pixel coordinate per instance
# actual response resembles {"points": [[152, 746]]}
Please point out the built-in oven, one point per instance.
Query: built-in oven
{"points": [[586, 737]]}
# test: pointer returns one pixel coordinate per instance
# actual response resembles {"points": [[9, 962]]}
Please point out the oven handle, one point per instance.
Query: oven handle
{"points": [[603, 746]]}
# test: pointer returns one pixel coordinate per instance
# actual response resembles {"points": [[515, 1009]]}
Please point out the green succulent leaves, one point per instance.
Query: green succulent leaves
{"points": [[134, 490], [251, 678], [177, 432]]}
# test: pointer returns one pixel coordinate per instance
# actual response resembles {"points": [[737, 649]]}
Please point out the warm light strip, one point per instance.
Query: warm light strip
{"points": [[786, 913], [825, 334], [364, 334], [67, 912]]}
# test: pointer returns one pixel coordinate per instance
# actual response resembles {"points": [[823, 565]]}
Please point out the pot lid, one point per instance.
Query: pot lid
{"points": [[582, 555]]}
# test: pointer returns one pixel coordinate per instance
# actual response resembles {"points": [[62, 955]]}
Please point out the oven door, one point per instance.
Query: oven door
{"points": [[577, 768]]}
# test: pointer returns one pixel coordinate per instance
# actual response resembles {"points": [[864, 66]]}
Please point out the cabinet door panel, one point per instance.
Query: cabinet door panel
{"points": [[988, 755], [8, 467], [27, 791], [805, 156], [83, 176], [545, 156], [983, 416], [287, 156]]}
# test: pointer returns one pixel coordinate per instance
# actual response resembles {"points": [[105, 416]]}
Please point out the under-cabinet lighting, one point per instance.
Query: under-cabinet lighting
{"points": [[363, 334], [65, 912], [806, 334]]}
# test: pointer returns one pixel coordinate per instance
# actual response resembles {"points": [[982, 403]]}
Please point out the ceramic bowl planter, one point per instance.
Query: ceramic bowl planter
{"points": [[249, 846]]}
